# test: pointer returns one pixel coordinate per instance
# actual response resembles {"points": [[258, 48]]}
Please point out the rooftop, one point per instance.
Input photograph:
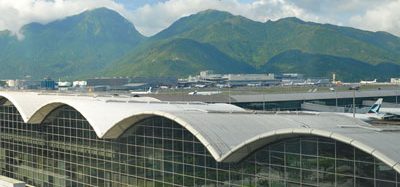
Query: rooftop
{"points": [[228, 132]]}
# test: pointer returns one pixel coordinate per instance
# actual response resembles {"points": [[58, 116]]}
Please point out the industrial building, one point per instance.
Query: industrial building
{"points": [[71, 140], [395, 80], [128, 83], [290, 101], [209, 78]]}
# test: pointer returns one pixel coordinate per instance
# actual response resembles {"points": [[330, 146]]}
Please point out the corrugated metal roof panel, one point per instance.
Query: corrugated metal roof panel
{"points": [[228, 132]]}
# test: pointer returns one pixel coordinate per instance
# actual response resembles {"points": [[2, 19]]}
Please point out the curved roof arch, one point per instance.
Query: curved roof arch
{"points": [[102, 113], [228, 132], [227, 145], [252, 145], [23, 110], [41, 114], [118, 129]]}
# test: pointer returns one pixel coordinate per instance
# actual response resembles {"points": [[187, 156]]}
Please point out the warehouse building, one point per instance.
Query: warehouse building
{"points": [[70, 140]]}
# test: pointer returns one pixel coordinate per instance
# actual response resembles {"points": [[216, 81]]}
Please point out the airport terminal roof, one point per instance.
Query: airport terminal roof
{"points": [[273, 97], [228, 132], [312, 96]]}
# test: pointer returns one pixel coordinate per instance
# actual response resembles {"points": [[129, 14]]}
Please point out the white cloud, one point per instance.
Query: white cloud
{"points": [[150, 19], [385, 17], [364, 14], [16, 13]]}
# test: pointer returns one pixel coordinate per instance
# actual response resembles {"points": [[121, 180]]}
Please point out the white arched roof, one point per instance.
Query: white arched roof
{"points": [[103, 113], [228, 132]]}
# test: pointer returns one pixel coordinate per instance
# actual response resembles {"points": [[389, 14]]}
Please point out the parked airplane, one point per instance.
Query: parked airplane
{"points": [[200, 85], [374, 113], [395, 112], [136, 93], [222, 85], [204, 93], [368, 82]]}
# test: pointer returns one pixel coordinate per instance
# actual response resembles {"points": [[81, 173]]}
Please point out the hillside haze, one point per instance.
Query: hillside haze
{"points": [[101, 42], [275, 46], [75, 46]]}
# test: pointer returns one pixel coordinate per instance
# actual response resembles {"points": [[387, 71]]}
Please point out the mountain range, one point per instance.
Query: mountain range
{"points": [[101, 42], [80, 45]]}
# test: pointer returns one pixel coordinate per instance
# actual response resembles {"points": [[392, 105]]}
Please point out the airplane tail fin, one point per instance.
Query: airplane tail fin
{"points": [[376, 106], [149, 91]]}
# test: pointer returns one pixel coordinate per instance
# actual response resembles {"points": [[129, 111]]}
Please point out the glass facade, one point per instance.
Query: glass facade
{"points": [[65, 151]]}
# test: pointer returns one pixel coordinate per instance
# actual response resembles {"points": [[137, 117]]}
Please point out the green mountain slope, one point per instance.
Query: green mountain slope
{"points": [[256, 44], [292, 33], [176, 57], [101, 42], [316, 65], [237, 36], [75, 46]]}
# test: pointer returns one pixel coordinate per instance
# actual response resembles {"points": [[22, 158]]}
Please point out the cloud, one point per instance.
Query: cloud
{"points": [[364, 14], [338, 11], [157, 15], [385, 17], [150, 19], [17, 13]]}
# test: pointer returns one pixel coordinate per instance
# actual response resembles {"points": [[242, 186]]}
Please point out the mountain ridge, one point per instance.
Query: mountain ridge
{"points": [[77, 45], [188, 56], [256, 43], [102, 42], [311, 65]]}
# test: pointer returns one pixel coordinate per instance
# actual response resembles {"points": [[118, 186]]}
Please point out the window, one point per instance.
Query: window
{"points": [[65, 151]]}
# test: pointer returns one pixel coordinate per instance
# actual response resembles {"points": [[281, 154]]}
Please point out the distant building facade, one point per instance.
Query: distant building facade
{"points": [[395, 80], [209, 78], [81, 84], [130, 83], [48, 84], [107, 82]]}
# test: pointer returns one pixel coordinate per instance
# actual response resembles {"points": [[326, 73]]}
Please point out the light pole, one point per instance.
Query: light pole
{"points": [[336, 100], [354, 102], [229, 91], [263, 101]]}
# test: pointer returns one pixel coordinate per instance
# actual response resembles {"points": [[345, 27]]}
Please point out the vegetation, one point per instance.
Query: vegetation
{"points": [[177, 57], [317, 65], [75, 46], [101, 42], [286, 45]]}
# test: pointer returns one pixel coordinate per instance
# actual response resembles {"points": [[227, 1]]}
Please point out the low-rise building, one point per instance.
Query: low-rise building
{"points": [[395, 80], [208, 78]]}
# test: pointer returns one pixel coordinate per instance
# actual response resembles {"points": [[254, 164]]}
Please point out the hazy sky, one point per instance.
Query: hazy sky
{"points": [[151, 16]]}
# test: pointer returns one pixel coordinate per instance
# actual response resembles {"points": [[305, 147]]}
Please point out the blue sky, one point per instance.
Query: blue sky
{"points": [[152, 16], [134, 4], [374, 15]]}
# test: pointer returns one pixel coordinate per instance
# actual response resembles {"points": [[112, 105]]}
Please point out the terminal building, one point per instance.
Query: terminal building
{"points": [[209, 78], [70, 140]]}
